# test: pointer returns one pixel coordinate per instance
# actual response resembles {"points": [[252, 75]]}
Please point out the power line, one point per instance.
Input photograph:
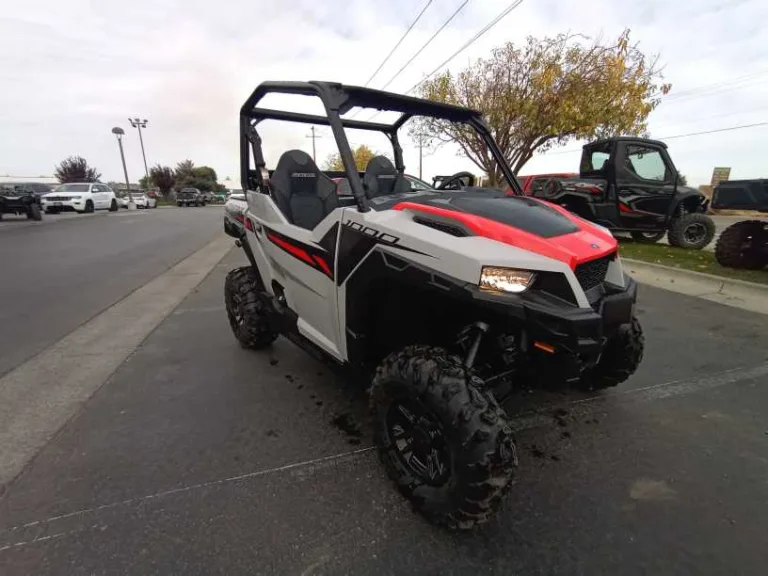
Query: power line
{"points": [[466, 45], [399, 42], [427, 43], [471, 41], [673, 137], [721, 86], [728, 129]]}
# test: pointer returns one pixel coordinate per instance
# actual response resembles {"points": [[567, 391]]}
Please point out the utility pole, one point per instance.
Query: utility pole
{"points": [[314, 137], [141, 123], [421, 152], [119, 132]]}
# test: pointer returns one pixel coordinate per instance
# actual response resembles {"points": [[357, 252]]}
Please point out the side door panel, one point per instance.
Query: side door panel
{"points": [[98, 196], [301, 264], [645, 186]]}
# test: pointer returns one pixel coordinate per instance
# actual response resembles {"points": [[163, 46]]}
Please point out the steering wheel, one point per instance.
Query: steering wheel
{"points": [[456, 181]]}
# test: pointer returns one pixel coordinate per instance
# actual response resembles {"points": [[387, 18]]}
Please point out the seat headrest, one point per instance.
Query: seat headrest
{"points": [[297, 171], [381, 178]]}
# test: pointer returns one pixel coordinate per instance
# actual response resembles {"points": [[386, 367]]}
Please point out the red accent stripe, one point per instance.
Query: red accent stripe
{"points": [[299, 253], [324, 265], [573, 249], [626, 209]]}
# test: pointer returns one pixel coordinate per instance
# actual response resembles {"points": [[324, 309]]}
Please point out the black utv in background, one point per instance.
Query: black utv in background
{"points": [[743, 244], [630, 185], [20, 200]]}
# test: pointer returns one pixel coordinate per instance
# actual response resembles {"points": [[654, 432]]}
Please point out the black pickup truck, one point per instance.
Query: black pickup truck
{"points": [[190, 197], [629, 184]]}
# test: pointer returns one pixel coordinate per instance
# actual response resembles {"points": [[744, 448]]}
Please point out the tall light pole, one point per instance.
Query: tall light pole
{"points": [[141, 123], [119, 133]]}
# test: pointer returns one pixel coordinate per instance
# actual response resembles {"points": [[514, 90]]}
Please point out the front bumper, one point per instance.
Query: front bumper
{"points": [[64, 205], [568, 340], [562, 339]]}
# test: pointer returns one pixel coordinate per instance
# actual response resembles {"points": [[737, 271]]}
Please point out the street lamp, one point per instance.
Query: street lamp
{"points": [[141, 123], [119, 133]]}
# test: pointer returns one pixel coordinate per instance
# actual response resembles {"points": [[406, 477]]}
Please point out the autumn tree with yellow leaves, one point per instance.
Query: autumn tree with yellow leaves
{"points": [[543, 94], [362, 154]]}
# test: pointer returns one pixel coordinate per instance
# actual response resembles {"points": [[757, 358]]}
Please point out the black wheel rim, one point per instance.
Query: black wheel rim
{"points": [[418, 441], [695, 232]]}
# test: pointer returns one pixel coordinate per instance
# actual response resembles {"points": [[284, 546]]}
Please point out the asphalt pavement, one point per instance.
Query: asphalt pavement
{"points": [[58, 273], [199, 457]]}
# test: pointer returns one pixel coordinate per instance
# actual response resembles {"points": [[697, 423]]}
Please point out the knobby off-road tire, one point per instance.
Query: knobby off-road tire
{"points": [[647, 237], [739, 246], [469, 427], [34, 213], [620, 358], [245, 309], [681, 229]]}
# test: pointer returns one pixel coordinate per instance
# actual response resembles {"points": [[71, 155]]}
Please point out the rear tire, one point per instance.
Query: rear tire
{"points": [[442, 439], [742, 245], [692, 231], [245, 309], [620, 358], [34, 213], [113, 207], [648, 237]]}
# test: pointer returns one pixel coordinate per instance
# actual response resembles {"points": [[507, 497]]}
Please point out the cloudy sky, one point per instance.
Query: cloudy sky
{"points": [[74, 69]]}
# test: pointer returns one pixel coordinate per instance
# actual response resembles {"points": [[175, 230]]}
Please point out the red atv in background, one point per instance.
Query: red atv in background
{"points": [[629, 184]]}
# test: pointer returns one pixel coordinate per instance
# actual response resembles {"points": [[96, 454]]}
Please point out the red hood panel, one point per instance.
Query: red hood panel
{"points": [[587, 244]]}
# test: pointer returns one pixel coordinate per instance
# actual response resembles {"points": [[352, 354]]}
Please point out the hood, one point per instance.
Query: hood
{"points": [[526, 223]]}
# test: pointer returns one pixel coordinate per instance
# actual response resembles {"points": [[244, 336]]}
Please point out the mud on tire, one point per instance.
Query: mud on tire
{"points": [[620, 358], [245, 309], [692, 231], [471, 427], [741, 245]]}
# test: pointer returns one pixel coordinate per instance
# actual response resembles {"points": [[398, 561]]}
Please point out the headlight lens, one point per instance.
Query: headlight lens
{"points": [[506, 279]]}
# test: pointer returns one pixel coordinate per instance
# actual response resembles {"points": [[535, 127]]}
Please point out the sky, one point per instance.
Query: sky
{"points": [[73, 70]]}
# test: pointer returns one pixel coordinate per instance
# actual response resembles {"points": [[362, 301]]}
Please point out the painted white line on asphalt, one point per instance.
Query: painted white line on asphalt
{"points": [[519, 423], [543, 417], [38, 397], [314, 464]]}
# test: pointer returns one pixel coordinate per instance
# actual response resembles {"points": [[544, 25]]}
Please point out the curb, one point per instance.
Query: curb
{"points": [[737, 293]]}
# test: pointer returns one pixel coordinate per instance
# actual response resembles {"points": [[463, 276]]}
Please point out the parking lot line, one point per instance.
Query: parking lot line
{"points": [[579, 408]]}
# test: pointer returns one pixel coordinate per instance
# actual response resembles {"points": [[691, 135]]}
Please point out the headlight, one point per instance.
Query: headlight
{"points": [[75, 197], [506, 279]]}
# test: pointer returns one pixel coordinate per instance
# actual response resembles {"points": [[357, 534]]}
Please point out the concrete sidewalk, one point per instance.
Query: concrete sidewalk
{"points": [[731, 292]]}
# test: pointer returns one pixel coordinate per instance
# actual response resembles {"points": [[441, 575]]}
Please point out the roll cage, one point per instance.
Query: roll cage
{"points": [[337, 100]]}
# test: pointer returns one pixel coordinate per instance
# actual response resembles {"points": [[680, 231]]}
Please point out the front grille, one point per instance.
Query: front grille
{"points": [[57, 198], [593, 273]]}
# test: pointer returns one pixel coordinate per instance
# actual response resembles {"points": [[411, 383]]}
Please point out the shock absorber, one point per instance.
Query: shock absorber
{"points": [[475, 331]]}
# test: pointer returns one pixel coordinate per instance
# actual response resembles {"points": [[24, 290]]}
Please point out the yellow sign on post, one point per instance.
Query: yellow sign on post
{"points": [[720, 175]]}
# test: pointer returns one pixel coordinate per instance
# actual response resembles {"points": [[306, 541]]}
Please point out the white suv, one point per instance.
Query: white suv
{"points": [[80, 197]]}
